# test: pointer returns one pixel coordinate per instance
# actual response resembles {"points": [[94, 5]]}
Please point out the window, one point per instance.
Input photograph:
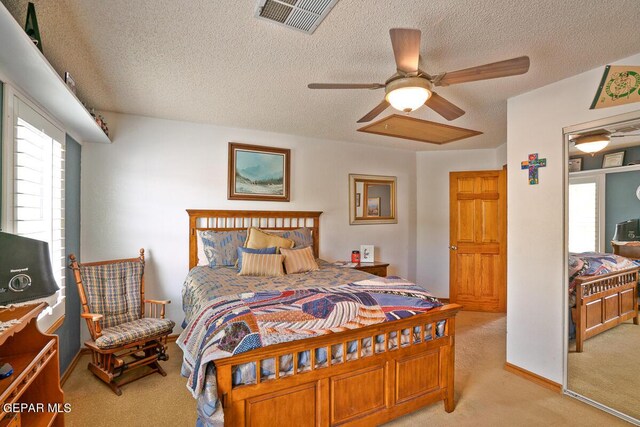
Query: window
{"points": [[34, 202], [585, 205]]}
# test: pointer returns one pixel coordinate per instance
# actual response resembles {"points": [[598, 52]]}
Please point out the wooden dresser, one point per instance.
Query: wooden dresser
{"points": [[377, 268], [36, 369]]}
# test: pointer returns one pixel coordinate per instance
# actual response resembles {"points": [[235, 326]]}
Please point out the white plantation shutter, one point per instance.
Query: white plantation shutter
{"points": [[38, 187], [585, 200]]}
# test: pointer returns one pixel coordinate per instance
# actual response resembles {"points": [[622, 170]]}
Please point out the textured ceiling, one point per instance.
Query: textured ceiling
{"points": [[212, 61]]}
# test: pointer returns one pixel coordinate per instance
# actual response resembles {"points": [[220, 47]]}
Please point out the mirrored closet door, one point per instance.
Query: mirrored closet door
{"points": [[603, 239]]}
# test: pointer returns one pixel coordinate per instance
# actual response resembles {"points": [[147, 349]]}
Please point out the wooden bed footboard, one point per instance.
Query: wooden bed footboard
{"points": [[370, 386], [603, 302]]}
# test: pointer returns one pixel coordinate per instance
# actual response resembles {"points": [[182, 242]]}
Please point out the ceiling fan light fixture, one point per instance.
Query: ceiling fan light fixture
{"points": [[592, 143], [408, 94]]}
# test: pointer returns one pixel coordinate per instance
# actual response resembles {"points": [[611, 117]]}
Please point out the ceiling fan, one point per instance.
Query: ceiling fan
{"points": [[410, 87], [598, 140]]}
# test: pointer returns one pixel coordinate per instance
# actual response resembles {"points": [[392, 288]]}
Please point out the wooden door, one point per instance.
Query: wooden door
{"points": [[478, 236]]}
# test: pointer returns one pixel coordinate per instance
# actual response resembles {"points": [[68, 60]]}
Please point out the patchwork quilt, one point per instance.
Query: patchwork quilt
{"points": [[236, 323], [204, 283]]}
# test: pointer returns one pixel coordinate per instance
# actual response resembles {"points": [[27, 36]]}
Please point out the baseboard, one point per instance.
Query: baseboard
{"points": [[444, 300], [172, 337], [71, 367], [528, 375]]}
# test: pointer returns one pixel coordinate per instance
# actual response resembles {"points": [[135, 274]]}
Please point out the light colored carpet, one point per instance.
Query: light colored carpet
{"points": [[152, 401], [486, 394], [608, 370]]}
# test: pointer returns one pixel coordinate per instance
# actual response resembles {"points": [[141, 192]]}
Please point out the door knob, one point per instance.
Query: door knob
{"points": [[453, 247]]}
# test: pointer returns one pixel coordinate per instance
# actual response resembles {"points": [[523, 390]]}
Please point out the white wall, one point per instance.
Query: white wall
{"points": [[536, 217], [501, 155], [432, 176], [135, 192]]}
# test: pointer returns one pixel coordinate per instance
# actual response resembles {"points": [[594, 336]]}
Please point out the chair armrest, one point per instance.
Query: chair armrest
{"points": [[157, 301], [153, 307], [94, 328], [92, 316]]}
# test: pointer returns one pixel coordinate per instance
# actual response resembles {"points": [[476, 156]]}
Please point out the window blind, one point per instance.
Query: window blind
{"points": [[38, 185]]}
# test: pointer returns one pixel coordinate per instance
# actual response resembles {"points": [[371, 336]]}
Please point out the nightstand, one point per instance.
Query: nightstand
{"points": [[377, 268]]}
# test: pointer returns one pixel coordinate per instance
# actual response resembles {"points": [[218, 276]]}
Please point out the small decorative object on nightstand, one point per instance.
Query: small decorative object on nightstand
{"points": [[366, 253], [377, 268]]}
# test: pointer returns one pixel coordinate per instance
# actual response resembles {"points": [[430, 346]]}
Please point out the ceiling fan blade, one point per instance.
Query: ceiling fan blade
{"points": [[510, 67], [624, 135], [345, 86], [443, 107], [406, 48], [373, 113]]}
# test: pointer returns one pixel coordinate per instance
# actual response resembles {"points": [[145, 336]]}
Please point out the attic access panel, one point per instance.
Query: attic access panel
{"points": [[405, 127]]}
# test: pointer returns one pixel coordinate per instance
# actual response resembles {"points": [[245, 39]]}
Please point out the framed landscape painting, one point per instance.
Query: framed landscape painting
{"points": [[258, 173]]}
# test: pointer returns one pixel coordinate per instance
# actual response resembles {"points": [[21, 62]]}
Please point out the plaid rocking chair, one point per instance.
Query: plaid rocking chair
{"points": [[113, 304]]}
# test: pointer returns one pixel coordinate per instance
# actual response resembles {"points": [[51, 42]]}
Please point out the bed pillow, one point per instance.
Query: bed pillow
{"points": [[262, 265], [299, 260], [202, 257], [221, 247], [242, 251], [302, 237], [258, 239]]}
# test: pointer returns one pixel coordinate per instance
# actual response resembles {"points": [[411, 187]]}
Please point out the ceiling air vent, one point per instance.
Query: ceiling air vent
{"points": [[301, 15]]}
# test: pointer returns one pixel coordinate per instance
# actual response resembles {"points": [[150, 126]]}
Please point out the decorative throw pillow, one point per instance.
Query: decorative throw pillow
{"points": [[242, 251], [299, 260], [258, 239], [302, 237], [261, 265], [221, 247], [202, 257]]}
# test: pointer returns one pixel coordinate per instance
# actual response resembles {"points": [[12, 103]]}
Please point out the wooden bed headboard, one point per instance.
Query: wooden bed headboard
{"points": [[227, 220]]}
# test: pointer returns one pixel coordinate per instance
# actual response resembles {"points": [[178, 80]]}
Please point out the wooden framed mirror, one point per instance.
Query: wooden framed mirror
{"points": [[372, 199]]}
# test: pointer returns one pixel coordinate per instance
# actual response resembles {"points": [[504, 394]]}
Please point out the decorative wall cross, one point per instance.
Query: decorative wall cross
{"points": [[533, 164]]}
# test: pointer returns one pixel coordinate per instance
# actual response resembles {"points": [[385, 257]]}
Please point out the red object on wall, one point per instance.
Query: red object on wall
{"points": [[355, 256]]}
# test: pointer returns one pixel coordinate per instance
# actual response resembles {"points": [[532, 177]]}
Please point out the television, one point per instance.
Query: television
{"points": [[25, 269], [627, 231]]}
